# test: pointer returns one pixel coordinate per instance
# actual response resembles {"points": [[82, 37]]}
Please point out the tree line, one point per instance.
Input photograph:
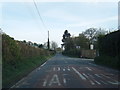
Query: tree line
{"points": [[74, 45]]}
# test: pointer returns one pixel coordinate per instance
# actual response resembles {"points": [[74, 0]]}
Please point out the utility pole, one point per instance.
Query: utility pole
{"points": [[48, 42]]}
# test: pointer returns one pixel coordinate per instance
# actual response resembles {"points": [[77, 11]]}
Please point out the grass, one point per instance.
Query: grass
{"points": [[12, 74]]}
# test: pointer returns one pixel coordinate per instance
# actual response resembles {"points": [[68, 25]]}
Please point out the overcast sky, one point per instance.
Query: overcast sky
{"points": [[21, 20]]}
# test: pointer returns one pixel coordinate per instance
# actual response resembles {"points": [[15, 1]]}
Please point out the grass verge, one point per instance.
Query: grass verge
{"points": [[11, 74]]}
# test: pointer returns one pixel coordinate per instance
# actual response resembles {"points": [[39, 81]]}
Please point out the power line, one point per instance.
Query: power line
{"points": [[39, 14], [42, 23]]}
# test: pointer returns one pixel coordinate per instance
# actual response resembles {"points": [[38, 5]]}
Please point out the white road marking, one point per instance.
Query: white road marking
{"points": [[89, 79], [92, 82], [54, 69], [58, 68], [43, 64], [45, 83], [85, 75], [55, 80], [94, 79], [89, 69], [18, 82], [63, 69], [80, 75], [101, 78], [103, 82], [68, 69], [108, 77], [98, 75], [117, 83], [64, 80], [104, 76], [90, 75]]}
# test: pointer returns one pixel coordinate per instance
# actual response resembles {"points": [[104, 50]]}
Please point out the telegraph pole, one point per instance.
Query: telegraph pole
{"points": [[48, 42]]}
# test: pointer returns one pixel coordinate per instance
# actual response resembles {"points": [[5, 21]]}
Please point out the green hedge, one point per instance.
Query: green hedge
{"points": [[18, 59], [110, 44], [72, 53], [109, 50], [112, 62]]}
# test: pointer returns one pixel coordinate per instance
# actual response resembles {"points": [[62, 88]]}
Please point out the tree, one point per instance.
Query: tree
{"points": [[90, 34], [54, 45], [40, 45], [66, 35], [70, 44], [66, 39], [35, 44], [82, 41], [24, 41], [93, 33]]}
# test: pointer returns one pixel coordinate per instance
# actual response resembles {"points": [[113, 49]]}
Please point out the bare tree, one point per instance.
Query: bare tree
{"points": [[93, 33], [53, 45]]}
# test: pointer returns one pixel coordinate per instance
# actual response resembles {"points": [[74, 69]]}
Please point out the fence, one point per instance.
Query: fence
{"points": [[88, 53]]}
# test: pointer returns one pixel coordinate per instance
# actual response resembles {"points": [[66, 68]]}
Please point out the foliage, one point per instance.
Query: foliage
{"points": [[70, 44], [72, 53], [82, 41], [10, 50], [109, 48], [19, 58], [92, 34], [109, 44], [40, 46], [108, 61], [66, 36], [11, 75]]}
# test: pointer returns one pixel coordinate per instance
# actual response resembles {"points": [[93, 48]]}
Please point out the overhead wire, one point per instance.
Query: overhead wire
{"points": [[31, 13], [39, 15]]}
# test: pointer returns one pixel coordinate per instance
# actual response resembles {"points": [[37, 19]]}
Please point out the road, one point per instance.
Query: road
{"points": [[65, 72]]}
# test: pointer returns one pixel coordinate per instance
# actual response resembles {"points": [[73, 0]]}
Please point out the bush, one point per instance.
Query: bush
{"points": [[109, 50], [10, 49], [19, 59], [72, 53], [107, 61]]}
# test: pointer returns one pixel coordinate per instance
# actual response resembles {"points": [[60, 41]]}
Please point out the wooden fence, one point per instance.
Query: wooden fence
{"points": [[88, 53]]}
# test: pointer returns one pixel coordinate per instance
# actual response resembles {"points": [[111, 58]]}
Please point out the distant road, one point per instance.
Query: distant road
{"points": [[65, 72]]}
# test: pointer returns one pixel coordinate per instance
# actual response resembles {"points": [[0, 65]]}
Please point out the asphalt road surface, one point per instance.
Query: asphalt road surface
{"points": [[65, 72]]}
